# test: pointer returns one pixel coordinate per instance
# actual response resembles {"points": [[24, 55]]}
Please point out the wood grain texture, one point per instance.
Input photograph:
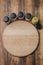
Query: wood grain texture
{"points": [[20, 38], [12, 60], [14, 6], [1, 28], [3, 12], [38, 11], [29, 8], [9, 59]]}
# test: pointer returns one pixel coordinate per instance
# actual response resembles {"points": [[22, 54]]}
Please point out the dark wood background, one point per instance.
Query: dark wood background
{"points": [[35, 7]]}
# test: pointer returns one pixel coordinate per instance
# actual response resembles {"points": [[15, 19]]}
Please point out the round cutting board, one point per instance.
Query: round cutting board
{"points": [[20, 38]]}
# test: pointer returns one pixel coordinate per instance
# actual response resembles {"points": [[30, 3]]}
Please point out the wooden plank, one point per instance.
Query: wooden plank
{"points": [[39, 52], [41, 44], [28, 6], [1, 26], [15, 6], [4, 11], [41, 15]]}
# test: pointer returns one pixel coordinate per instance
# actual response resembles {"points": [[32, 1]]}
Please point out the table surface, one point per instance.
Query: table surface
{"points": [[20, 38]]}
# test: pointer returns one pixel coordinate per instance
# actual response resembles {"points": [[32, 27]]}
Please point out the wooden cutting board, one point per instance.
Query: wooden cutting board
{"points": [[20, 38]]}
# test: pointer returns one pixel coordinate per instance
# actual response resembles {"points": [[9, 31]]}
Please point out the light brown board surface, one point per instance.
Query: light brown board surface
{"points": [[20, 38]]}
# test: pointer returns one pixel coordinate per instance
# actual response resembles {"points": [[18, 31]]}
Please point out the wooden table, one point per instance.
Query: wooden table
{"points": [[35, 7]]}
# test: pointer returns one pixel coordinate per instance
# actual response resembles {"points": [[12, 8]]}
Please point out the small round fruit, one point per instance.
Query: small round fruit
{"points": [[28, 16], [35, 20], [20, 15], [13, 16], [38, 26], [6, 19]]}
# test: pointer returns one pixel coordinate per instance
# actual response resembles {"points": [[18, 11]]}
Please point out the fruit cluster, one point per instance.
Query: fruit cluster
{"points": [[28, 17]]}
